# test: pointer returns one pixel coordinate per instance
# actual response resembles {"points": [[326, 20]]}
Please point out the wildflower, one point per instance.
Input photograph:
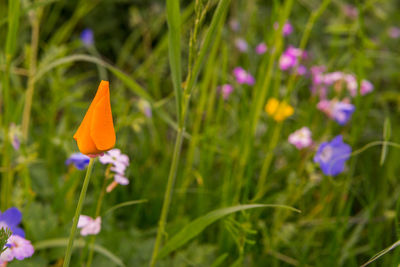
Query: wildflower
{"points": [[87, 37], [241, 45], [226, 90], [287, 28], [290, 58], [119, 163], [366, 87], [145, 107], [243, 77], [96, 133], [394, 32], [279, 111], [15, 134], [18, 248], [261, 48], [79, 160], [332, 156], [88, 225], [340, 111], [234, 24], [301, 138], [11, 218], [350, 11]]}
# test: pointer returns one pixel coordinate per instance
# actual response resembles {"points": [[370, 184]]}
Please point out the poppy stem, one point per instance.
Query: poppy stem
{"points": [[77, 213]]}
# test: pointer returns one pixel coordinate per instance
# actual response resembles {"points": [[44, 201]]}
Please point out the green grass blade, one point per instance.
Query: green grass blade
{"points": [[13, 25], [80, 243], [133, 85], [195, 227], [381, 253], [387, 132], [174, 49], [125, 204], [215, 23]]}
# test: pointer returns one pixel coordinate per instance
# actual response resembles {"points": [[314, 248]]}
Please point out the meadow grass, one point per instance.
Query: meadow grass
{"points": [[213, 180]]}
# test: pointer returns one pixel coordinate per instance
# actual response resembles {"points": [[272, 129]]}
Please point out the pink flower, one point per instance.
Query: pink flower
{"points": [[301, 70], [88, 225], [291, 57], [243, 77], [394, 32], [19, 248], [301, 138], [234, 24], [366, 87], [226, 90], [287, 28], [261, 48], [119, 163], [350, 11], [241, 45], [332, 77], [351, 83]]}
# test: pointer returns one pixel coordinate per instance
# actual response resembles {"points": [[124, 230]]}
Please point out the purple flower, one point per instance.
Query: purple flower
{"points": [[332, 156], [19, 248], [301, 138], [88, 225], [342, 112], [243, 76], [226, 90], [261, 48], [287, 28], [11, 218], [87, 37], [145, 107], [394, 32], [79, 160], [241, 45]]}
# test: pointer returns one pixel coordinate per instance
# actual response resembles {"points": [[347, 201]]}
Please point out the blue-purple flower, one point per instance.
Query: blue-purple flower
{"points": [[342, 112], [79, 160], [87, 37], [11, 218], [332, 156]]}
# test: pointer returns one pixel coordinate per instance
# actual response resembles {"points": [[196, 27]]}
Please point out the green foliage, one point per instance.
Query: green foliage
{"points": [[5, 233], [173, 56]]}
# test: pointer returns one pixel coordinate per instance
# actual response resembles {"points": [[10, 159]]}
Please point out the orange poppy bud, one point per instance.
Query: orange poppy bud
{"points": [[96, 133]]}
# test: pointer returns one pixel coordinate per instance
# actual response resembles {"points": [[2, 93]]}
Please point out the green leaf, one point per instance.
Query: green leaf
{"points": [[381, 253], [174, 48], [80, 243], [387, 132], [195, 227]]}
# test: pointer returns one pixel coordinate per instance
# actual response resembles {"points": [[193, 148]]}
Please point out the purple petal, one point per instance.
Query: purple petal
{"points": [[12, 216]]}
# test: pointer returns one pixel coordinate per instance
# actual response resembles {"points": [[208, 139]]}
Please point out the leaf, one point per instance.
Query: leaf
{"points": [[195, 227], [79, 243], [381, 253], [174, 49], [13, 25], [387, 132], [124, 204]]}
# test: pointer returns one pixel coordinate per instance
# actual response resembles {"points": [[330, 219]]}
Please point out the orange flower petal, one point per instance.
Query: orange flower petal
{"points": [[96, 133]]}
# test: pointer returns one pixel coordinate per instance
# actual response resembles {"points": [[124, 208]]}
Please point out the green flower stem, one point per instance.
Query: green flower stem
{"points": [[98, 209], [78, 210]]}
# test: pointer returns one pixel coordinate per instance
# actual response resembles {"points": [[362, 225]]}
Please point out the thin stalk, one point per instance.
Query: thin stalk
{"points": [[168, 195], [78, 210], [35, 19], [97, 213]]}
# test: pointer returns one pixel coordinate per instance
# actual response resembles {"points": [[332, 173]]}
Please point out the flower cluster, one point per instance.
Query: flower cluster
{"points": [[291, 58], [243, 77], [278, 110], [301, 138], [88, 225], [119, 162], [17, 246]]}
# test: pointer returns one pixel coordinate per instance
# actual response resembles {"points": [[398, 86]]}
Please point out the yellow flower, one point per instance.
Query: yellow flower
{"points": [[279, 111]]}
